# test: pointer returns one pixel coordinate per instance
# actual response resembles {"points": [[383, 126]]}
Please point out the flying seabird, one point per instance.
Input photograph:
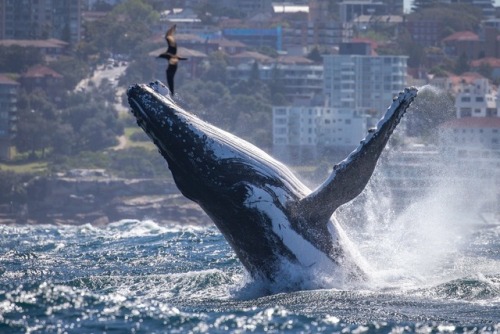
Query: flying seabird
{"points": [[171, 56]]}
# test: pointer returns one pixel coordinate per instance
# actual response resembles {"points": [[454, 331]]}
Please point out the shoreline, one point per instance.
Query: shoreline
{"points": [[93, 197]]}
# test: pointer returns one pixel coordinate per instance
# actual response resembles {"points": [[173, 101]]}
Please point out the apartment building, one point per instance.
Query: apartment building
{"points": [[471, 142], [41, 19], [8, 108], [476, 99], [303, 132], [299, 77], [363, 82]]}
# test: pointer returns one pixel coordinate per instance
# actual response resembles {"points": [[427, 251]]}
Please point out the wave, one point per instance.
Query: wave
{"points": [[474, 289], [204, 284]]}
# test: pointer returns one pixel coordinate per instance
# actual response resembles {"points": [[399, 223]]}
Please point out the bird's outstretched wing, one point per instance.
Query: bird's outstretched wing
{"points": [[169, 37]]}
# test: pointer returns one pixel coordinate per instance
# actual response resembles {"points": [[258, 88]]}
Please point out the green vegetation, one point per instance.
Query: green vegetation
{"points": [[17, 59], [453, 17], [38, 167], [134, 162]]}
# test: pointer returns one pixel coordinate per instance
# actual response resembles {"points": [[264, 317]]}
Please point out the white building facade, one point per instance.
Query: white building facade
{"points": [[363, 82], [476, 99], [297, 80], [301, 133]]}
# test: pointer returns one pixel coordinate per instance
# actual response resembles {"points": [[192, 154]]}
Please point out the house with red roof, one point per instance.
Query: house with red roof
{"points": [[43, 77], [250, 57], [492, 63], [454, 83], [472, 45], [50, 48]]}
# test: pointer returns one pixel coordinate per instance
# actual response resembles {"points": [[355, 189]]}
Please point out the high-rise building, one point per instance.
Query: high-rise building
{"points": [[41, 19], [363, 82], [303, 132], [8, 109]]}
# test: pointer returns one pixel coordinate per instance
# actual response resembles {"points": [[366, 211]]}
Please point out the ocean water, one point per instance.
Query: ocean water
{"points": [[140, 277]]}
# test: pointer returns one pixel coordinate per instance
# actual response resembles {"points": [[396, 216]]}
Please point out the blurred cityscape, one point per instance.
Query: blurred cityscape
{"points": [[302, 79]]}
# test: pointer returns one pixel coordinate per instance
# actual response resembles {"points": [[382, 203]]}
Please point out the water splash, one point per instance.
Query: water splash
{"points": [[428, 242]]}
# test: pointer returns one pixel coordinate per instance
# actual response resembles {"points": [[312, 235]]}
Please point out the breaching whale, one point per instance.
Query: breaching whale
{"points": [[269, 218]]}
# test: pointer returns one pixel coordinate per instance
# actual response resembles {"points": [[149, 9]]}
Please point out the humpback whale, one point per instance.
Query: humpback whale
{"points": [[172, 57], [270, 219]]}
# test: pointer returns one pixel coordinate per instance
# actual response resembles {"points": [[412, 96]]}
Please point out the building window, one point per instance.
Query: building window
{"points": [[465, 112], [280, 111]]}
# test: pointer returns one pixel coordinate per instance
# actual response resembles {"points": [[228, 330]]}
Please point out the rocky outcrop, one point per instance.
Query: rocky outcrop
{"points": [[92, 196]]}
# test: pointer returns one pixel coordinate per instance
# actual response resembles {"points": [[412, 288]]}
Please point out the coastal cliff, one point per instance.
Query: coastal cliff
{"points": [[92, 196]]}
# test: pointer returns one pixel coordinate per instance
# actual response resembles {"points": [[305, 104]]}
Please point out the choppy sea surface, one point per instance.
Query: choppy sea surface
{"points": [[138, 276]]}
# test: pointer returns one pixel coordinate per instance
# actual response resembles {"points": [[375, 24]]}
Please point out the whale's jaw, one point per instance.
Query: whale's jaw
{"points": [[265, 213]]}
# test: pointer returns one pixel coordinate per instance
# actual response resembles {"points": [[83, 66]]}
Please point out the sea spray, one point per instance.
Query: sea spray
{"points": [[426, 241]]}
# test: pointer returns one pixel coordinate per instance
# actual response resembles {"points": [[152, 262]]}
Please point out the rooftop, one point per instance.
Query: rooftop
{"points": [[181, 51], [462, 36], [5, 80], [294, 60], [493, 62], [37, 43], [253, 55], [467, 77], [288, 8], [40, 71], [388, 19]]}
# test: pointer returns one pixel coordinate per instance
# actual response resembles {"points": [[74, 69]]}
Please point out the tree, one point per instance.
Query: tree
{"points": [[36, 118], [485, 70], [72, 69], [462, 64], [216, 69], [254, 74], [137, 12], [276, 87], [315, 55], [63, 139], [33, 133], [102, 6], [124, 29], [452, 17], [254, 113], [17, 59], [139, 70]]}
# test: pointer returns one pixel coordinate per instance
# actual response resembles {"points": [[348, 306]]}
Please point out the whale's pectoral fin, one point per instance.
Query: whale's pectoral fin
{"points": [[350, 176]]}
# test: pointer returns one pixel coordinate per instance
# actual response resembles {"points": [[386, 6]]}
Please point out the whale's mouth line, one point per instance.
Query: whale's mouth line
{"points": [[142, 118], [145, 122]]}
